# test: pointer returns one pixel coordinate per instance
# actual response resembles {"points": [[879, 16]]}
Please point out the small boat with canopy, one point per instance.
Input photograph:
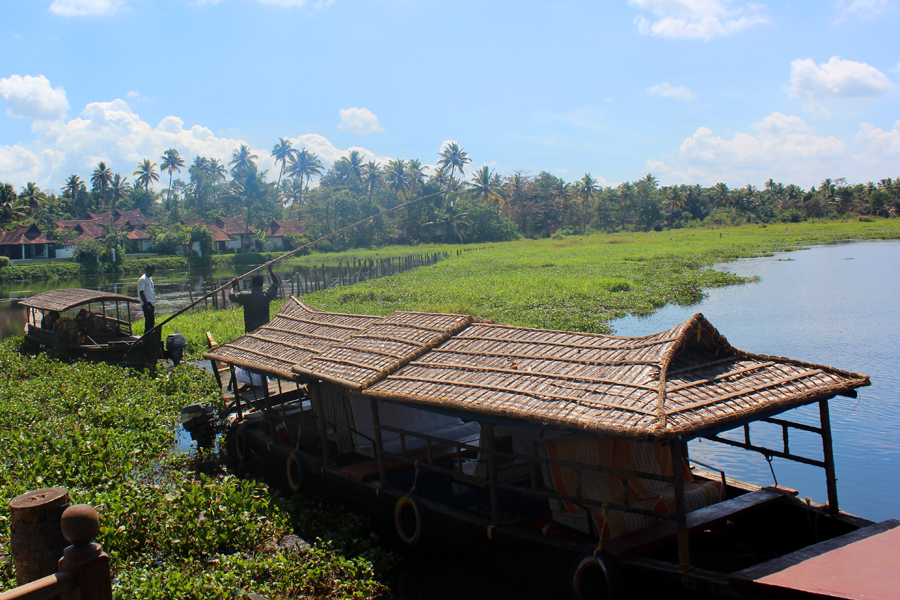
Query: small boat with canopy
{"points": [[92, 324]]}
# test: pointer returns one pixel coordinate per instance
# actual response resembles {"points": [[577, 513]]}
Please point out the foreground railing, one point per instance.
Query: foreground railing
{"points": [[84, 568]]}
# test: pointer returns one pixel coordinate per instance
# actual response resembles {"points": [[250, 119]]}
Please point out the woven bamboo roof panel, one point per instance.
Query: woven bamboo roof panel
{"points": [[66, 299], [297, 332], [675, 383], [382, 348]]}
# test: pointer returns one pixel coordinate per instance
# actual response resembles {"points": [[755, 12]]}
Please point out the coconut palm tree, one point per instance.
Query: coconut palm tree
{"points": [[282, 151], [416, 172], [146, 174], [118, 189], [486, 185], [304, 165], [586, 189], [171, 162], [355, 162], [453, 158], [9, 207], [248, 187], [72, 185], [722, 195], [397, 177], [32, 198], [101, 179], [452, 223], [242, 158], [372, 177]]}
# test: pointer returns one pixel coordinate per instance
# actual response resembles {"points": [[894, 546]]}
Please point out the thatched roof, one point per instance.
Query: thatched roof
{"points": [[677, 382], [67, 299], [297, 332]]}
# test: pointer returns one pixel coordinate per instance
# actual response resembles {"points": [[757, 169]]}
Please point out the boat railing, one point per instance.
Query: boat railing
{"points": [[536, 488], [823, 430]]}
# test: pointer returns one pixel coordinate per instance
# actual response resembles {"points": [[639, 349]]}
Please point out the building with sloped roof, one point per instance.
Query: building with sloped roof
{"points": [[277, 231], [25, 242]]}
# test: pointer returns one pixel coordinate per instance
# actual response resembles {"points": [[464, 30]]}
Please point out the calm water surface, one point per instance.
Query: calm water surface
{"points": [[836, 305]]}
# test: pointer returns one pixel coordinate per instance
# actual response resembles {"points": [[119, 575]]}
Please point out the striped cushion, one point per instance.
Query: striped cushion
{"points": [[620, 453]]}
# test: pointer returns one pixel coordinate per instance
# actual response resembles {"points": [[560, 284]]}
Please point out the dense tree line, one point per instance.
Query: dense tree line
{"points": [[465, 205]]}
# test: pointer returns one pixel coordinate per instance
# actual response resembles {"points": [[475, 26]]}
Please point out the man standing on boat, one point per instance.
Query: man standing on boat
{"points": [[147, 294], [255, 301]]}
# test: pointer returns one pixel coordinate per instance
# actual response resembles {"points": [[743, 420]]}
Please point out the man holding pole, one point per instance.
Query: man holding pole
{"points": [[255, 301]]}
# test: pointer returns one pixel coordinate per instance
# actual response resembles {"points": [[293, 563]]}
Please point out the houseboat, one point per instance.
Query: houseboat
{"points": [[572, 445], [89, 323]]}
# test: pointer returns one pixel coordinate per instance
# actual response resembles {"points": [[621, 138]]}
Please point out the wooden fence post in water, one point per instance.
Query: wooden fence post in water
{"points": [[36, 540]]}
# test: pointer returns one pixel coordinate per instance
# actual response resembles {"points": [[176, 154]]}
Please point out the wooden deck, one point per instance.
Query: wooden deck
{"points": [[856, 566]]}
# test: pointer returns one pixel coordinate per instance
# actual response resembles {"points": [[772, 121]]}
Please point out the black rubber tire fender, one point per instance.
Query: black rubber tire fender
{"points": [[596, 577]]}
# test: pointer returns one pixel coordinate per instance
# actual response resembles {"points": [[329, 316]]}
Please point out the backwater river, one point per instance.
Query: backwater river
{"points": [[834, 304]]}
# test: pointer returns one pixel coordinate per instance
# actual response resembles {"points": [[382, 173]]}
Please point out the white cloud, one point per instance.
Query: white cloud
{"points": [[667, 90], [32, 98], [85, 8], [864, 9], [782, 146], [696, 19], [880, 142], [836, 78], [359, 120], [114, 133]]}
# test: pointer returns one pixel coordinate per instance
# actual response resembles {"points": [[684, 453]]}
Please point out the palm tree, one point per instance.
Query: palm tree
{"points": [[355, 162], [216, 169], [372, 176], [146, 173], [171, 162], [9, 208], [72, 185], [674, 202], [453, 158], [397, 177], [486, 185], [304, 165], [248, 187], [282, 151], [586, 188], [32, 197], [722, 195], [626, 198], [451, 221], [101, 178], [118, 189], [416, 173], [242, 158]]}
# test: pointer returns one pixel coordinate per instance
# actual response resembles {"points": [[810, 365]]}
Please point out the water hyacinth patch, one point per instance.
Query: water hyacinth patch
{"points": [[174, 526]]}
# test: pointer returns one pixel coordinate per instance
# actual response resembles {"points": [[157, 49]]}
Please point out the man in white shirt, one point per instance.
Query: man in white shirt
{"points": [[147, 294]]}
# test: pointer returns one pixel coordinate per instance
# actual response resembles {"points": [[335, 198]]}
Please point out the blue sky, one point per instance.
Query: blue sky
{"points": [[693, 91]]}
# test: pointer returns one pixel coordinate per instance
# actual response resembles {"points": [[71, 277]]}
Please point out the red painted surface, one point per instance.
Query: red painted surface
{"points": [[868, 569]]}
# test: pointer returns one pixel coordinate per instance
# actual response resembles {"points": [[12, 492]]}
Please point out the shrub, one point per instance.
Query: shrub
{"points": [[4, 261], [87, 251]]}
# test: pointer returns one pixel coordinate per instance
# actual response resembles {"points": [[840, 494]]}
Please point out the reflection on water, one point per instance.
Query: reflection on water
{"points": [[834, 305]]}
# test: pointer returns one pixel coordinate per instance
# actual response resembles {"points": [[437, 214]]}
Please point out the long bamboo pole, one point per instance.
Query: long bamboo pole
{"points": [[300, 249]]}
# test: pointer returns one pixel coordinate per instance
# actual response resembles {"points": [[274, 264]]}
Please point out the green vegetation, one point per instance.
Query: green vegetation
{"points": [[174, 527], [569, 283], [477, 206]]}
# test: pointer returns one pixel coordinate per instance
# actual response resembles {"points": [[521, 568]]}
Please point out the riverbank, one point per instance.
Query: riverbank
{"points": [[578, 283], [174, 525]]}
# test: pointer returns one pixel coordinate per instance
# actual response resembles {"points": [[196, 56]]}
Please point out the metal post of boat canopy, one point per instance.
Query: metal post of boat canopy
{"points": [[828, 455], [318, 406], [684, 555], [379, 446], [489, 447], [237, 395]]}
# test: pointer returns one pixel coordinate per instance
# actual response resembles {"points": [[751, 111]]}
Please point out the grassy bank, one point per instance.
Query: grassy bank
{"points": [[173, 528], [574, 283]]}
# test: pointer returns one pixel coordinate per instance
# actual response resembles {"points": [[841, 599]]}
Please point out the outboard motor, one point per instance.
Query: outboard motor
{"points": [[200, 421], [175, 344]]}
